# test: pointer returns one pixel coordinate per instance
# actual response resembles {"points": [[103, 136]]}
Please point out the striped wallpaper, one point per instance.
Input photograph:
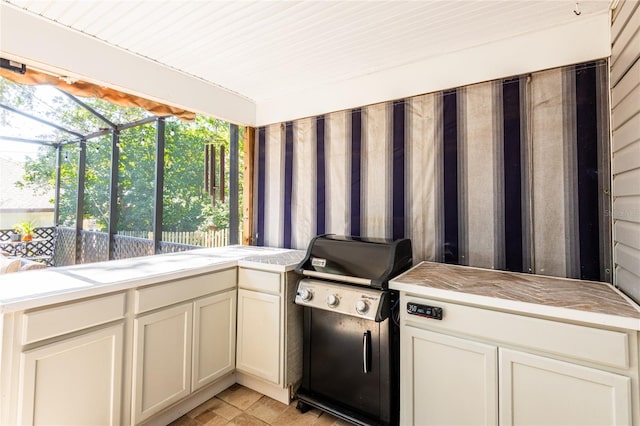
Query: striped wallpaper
{"points": [[510, 174]]}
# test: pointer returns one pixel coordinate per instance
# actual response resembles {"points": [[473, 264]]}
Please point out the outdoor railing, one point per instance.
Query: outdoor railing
{"points": [[40, 249], [217, 238], [59, 246]]}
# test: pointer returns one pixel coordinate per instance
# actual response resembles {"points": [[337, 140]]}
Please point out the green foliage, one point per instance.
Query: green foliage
{"points": [[14, 95], [187, 207], [221, 215], [216, 217], [25, 228]]}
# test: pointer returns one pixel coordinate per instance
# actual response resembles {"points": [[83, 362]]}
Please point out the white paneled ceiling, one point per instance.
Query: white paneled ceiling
{"points": [[265, 49]]}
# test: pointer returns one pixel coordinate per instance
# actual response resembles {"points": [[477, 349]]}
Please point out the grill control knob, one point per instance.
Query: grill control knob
{"points": [[332, 300], [306, 295], [362, 307]]}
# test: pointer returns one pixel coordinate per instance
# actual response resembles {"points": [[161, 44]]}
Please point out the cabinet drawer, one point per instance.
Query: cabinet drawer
{"points": [[605, 347], [47, 323], [265, 282], [157, 296]]}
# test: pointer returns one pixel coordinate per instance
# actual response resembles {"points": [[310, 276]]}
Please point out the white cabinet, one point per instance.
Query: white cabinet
{"points": [[480, 366], [269, 344], [181, 348], [68, 363], [541, 390], [75, 381], [258, 350], [449, 380], [162, 360], [214, 338]]}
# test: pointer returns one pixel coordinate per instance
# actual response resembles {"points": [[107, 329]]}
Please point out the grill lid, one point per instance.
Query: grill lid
{"points": [[365, 261]]}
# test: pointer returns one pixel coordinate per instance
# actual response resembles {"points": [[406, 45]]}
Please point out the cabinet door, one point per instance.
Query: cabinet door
{"points": [[162, 360], [539, 390], [447, 380], [76, 381], [214, 338], [259, 334]]}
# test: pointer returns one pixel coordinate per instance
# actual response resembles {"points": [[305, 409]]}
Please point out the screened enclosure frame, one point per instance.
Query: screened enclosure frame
{"points": [[115, 130]]}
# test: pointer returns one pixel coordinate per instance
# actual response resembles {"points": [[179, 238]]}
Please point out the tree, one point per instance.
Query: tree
{"points": [[184, 196], [187, 206]]}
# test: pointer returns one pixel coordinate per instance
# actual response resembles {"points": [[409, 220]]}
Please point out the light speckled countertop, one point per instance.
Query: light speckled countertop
{"points": [[588, 301], [280, 262], [30, 289]]}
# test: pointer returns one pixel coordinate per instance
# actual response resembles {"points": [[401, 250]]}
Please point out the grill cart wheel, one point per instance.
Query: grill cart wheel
{"points": [[302, 407]]}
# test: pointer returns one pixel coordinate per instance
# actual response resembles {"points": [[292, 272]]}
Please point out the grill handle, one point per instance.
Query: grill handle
{"points": [[337, 277], [366, 352]]}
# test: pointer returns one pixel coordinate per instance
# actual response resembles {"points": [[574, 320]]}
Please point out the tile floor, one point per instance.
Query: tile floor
{"points": [[241, 406]]}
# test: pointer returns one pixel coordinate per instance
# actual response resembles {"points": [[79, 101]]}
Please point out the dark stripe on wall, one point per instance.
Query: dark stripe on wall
{"points": [[261, 184], [398, 189], [356, 150], [288, 183], [320, 177], [512, 175], [587, 162], [450, 175]]}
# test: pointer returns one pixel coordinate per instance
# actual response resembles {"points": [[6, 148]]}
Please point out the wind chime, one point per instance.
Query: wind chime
{"points": [[211, 184]]}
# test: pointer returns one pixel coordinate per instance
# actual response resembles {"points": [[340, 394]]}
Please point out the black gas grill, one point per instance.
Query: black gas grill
{"points": [[351, 343]]}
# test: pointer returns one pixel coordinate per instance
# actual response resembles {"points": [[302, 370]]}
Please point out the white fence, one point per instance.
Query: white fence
{"points": [[218, 238]]}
